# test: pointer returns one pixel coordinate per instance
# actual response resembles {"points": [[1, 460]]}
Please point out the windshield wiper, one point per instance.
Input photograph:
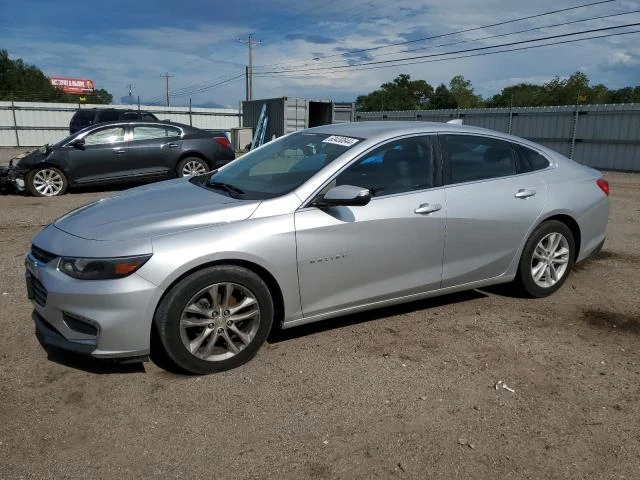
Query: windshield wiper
{"points": [[232, 190]]}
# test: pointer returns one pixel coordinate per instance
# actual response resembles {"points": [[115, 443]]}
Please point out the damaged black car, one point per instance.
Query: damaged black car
{"points": [[118, 152]]}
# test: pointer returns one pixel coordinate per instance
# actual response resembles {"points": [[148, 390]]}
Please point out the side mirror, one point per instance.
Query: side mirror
{"points": [[344, 195], [78, 143]]}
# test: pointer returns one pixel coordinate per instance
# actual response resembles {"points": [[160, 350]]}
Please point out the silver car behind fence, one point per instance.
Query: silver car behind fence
{"points": [[316, 224]]}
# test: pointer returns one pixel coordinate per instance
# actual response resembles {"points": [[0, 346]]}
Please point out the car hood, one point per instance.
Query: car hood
{"points": [[30, 159], [152, 210]]}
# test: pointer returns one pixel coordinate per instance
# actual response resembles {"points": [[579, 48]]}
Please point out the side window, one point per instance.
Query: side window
{"points": [[147, 132], [149, 117], [535, 160], [108, 116], [396, 167], [105, 136], [471, 157]]}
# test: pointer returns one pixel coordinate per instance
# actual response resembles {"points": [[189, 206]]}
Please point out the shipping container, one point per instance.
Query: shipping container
{"points": [[286, 115]]}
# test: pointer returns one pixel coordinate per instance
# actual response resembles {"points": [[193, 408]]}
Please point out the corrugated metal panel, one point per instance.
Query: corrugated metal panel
{"points": [[251, 113], [40, 123], [296, 114], [343, 112], [606, 136]]}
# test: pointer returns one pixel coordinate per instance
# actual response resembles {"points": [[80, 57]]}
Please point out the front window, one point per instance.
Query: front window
{"points": [[278, 167], [105, 136]]}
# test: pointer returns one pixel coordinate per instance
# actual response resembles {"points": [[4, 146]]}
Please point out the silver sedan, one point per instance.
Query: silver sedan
{"points": [[316, 224]]}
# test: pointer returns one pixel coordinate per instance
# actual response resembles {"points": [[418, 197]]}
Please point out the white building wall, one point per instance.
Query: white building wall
{"points": [[37, 123]]}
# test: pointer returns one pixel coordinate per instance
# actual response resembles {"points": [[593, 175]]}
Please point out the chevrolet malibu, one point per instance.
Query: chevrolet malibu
{"points": [[316, 224]]}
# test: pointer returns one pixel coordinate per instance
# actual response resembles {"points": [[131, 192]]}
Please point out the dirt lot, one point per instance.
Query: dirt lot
{"points": [[403, 392]]}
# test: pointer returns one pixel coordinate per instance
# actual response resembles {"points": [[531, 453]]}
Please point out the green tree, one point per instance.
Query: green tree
{"points": [[21, 81], [442, 98], [463, 93], [400, 94]]}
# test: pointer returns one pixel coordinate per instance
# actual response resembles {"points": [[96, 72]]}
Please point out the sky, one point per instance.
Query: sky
{"points": [[314, 49]]}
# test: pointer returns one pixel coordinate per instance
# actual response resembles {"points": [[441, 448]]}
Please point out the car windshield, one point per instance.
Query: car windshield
{"points": [[278, 167]]}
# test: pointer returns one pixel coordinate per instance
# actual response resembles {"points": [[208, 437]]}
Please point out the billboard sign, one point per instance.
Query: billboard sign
{"points": [[72, 85]]}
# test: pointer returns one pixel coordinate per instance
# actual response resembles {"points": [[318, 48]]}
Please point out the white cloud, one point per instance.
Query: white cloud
{"points": [[204, 52]]}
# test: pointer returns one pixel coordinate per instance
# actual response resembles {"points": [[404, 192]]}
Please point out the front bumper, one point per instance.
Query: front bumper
{"points": [[101, 318], [12, 177]]}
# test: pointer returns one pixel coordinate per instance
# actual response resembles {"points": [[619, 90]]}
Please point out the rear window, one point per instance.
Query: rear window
{"points": [[108, 116], [149, 116], [534, 159], [83, 116]]}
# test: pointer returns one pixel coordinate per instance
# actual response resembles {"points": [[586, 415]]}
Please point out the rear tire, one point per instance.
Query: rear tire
{"points": [[215, 319], [547, 259], [191, 166]]}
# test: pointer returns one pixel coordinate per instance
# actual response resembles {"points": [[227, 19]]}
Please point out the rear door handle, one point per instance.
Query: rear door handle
{"points": [[119, 151], [427, 208], [524, 193], [172, 145]]}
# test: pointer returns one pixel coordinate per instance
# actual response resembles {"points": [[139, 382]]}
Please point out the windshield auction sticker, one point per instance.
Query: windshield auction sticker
{"points": [[338, 140]]}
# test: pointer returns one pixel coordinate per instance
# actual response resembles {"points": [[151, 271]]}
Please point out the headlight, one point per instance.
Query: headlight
{"points": [[101, 268]]}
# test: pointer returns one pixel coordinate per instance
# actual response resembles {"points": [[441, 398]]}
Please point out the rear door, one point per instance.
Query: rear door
{"points": [[392, 247], [492, 201], [103, 156], [154, 149]]}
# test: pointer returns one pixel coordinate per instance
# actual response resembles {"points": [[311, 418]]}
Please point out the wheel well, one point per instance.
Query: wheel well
{"points": [[573, 226], [264, 274]]}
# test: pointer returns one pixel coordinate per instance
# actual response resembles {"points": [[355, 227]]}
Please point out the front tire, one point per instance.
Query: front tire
{"points": [[215, 319], [547, 259], [192, 166], [46, 182]]}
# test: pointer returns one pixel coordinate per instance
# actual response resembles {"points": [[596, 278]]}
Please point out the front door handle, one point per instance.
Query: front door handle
{"points": [[427, 208], [524, 193], [119, 151], [172, 145]]}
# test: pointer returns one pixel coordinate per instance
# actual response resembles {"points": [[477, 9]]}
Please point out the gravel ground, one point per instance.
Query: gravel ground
{"points": [[404, 392]]}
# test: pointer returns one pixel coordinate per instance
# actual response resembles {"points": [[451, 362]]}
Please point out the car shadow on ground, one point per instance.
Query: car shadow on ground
{"points": [[279, 335]]}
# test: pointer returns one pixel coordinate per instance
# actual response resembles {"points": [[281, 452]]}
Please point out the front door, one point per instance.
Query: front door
{"points": [[103, 155], [392, 247]]}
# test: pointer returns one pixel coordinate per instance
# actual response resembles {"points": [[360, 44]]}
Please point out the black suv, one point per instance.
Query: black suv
{"points": [[90, 116]]}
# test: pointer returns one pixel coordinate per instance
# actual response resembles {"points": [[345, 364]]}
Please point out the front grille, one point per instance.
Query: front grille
{"points": [[38, 290], [42, 255]]}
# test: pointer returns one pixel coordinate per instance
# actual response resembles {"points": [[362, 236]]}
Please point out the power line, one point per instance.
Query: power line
{"points": [[548, 26], [528, 47], [519, 42], [466, 30]]}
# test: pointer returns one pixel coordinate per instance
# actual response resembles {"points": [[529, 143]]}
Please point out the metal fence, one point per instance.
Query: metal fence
{"points": [[24, 124], [601, 136]]}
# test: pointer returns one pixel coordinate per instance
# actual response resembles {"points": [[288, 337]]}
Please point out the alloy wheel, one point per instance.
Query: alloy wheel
{"points": [[48, 182], [219, 321], [192, 168], [550, 260]]}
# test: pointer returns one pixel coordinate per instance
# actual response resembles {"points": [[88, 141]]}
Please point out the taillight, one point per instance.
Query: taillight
{"points": [[223, 141], [604, 185]]}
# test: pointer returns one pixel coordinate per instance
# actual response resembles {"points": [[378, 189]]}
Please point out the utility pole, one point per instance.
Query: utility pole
{"points": [[249, 71], [167, 77]]}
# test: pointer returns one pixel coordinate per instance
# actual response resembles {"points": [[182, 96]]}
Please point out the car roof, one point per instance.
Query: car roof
{"points": [[380, 130], [185, 128]]}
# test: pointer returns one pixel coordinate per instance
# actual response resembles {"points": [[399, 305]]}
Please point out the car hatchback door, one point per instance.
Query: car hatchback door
{"points": [[492, 202], [390, 248], [154, 149]]}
